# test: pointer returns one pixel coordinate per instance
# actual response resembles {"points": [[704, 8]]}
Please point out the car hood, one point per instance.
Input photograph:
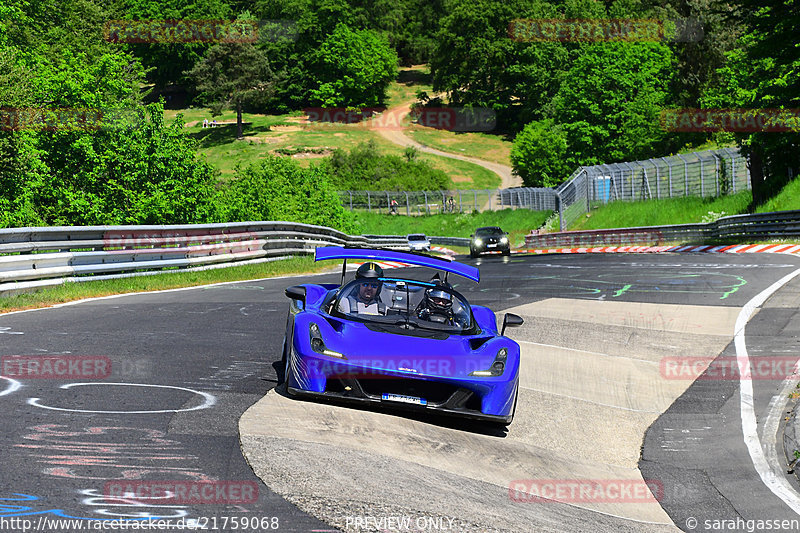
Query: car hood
{"points": [[455, 355]]}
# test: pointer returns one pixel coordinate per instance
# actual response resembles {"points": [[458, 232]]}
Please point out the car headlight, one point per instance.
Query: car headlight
{"points": [[318, 345], [478, 242], [497, 368], [503, 240]]}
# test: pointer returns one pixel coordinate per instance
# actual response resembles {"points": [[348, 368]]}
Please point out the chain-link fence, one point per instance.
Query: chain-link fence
{"points": [[458, 201], [708, 173]]}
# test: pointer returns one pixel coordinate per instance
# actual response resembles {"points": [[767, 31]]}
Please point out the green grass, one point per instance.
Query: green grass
{"points": [[409, 81], [518, 222], [76, 291], [683, 210], [464, 175], [494, 148], [661, 212], [786, 200], [263, 134]]}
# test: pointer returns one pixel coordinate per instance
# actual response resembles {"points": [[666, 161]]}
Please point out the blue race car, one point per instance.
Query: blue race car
{"points": [[400, 342]]}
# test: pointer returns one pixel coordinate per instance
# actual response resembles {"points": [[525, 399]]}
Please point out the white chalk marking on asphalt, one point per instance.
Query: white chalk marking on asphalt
{"points": [[13, 385], [209, 400], [773, 480]]}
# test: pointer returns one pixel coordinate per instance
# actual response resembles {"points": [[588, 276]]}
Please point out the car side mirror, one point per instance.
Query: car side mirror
{"points": [[511, 320], [296, 292]]}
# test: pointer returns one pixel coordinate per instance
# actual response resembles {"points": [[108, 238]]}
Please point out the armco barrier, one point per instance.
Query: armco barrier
{"points": [[762, 226], [37, 257]]}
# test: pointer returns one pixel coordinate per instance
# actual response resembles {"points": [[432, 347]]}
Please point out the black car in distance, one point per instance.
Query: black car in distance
{"points": [[489, 239]]}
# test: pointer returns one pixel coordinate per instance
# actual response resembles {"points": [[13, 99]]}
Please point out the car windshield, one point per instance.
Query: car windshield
{"points": [[416, 237], [404, 303], [488, 232]]}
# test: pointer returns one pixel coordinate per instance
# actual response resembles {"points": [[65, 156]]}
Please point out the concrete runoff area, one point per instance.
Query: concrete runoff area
{"points": [[591, 384]]}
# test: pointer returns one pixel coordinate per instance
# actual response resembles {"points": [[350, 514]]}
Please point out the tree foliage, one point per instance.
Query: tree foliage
{"points": [[232, 75], [540, 154], [352, 68], [278, 189], [364, 168], [764, 73]]}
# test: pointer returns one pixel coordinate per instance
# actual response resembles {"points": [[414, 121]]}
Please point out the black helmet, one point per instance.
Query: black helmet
{"points": [[439, 300], [369, 270]]}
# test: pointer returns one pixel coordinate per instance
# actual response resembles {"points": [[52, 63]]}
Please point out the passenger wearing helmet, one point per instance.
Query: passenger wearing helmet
{"points": [[364, 296], [437, 306]]}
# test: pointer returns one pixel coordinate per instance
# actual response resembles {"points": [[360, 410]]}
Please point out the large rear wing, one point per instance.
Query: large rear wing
{"points": [[409, 258]]}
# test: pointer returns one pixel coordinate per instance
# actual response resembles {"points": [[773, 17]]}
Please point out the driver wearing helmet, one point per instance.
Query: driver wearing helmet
{"points": [[363, 298], [437, 306]]}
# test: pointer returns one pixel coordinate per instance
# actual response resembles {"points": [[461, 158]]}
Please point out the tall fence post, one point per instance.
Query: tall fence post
{"points": [[669, 171], [408, 207], [658, 179], [685, 175], [369, 203], [702, 185]]}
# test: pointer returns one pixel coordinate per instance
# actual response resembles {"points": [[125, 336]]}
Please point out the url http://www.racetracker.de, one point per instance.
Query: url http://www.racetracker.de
{"points": [[203, 523]]}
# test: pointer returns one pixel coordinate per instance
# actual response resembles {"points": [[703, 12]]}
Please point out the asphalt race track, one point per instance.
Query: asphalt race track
{"points": [[160, 381]]}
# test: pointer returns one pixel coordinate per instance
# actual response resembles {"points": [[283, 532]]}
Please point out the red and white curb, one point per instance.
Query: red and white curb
{"points": [[729, 249], [446, 251]]}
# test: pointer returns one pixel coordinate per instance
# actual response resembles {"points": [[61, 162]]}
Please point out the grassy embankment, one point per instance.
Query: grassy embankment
{"points": [[309, 142]]}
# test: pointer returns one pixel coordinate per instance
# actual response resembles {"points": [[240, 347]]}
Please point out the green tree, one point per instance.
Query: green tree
{"points": [[352, 68], [610, 100], [232, 75], [477, 63], [167, 62], [540, 154], [764, 72], [278, 189]]}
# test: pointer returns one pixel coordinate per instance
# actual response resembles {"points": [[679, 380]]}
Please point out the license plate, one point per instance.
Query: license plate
{"points": [[404, 399], [492, 246]]}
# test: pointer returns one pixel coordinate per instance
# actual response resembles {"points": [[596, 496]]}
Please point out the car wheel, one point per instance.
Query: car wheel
{"points": [[507, 252], [473, 254]]}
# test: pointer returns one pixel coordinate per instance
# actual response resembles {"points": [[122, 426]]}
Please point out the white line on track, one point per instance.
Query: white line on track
{"points": [[13, 385], [773, 479], [209, 400]]}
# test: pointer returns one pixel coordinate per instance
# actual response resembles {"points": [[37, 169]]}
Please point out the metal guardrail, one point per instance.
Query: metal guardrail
{"points": [[36, 257], [449, 241], [775, 225]]}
